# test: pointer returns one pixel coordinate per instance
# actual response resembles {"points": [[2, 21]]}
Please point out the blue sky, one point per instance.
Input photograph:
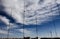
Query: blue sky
{"points": [[39, 21], [43, 30]]}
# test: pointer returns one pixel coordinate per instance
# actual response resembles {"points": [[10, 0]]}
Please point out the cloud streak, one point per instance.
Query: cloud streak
{"points": [[25, 31], [4, 19], [5, 32], [32, 12]]}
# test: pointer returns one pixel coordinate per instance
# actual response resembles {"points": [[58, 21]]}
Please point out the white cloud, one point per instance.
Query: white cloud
{"points": [[58, 1], [3, 32], [41, 12], [15, 9], [24, 31], [6, 32], [4, 19]]}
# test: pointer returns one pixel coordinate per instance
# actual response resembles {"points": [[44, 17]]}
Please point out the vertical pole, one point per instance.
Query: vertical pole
{"points": [[51, 33], [54, 23], [23, 19], [36, 28]]}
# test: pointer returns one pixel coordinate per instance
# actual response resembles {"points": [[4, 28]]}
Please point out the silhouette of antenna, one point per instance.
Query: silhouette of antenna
{"points": [[9, 23], [1, 36], [36, 28], [23, 19], [51, 33], [54, 22]]}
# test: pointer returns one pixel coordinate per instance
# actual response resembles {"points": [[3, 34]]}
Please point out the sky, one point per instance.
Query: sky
{"points": [[27, 18]]}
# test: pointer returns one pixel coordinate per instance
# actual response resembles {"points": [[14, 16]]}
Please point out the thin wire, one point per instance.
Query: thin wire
{"points": [[23, 19], [54, 24], [9, 24], [52, 18], [8, 31], [1, 29], [51, 33], [36, 27]]}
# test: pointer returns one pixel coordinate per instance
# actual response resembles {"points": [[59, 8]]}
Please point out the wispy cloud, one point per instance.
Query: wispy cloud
{"points": [[3, 32], [58, 1], [41, 13], [33, 12], [15, 9], [26, 32], [4, 19]]}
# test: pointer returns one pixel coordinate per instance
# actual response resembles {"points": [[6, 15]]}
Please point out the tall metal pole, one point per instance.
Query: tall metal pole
{"points": [[51, 33], [9, 23], [36, 27], [54, 24], [23, 19]]}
